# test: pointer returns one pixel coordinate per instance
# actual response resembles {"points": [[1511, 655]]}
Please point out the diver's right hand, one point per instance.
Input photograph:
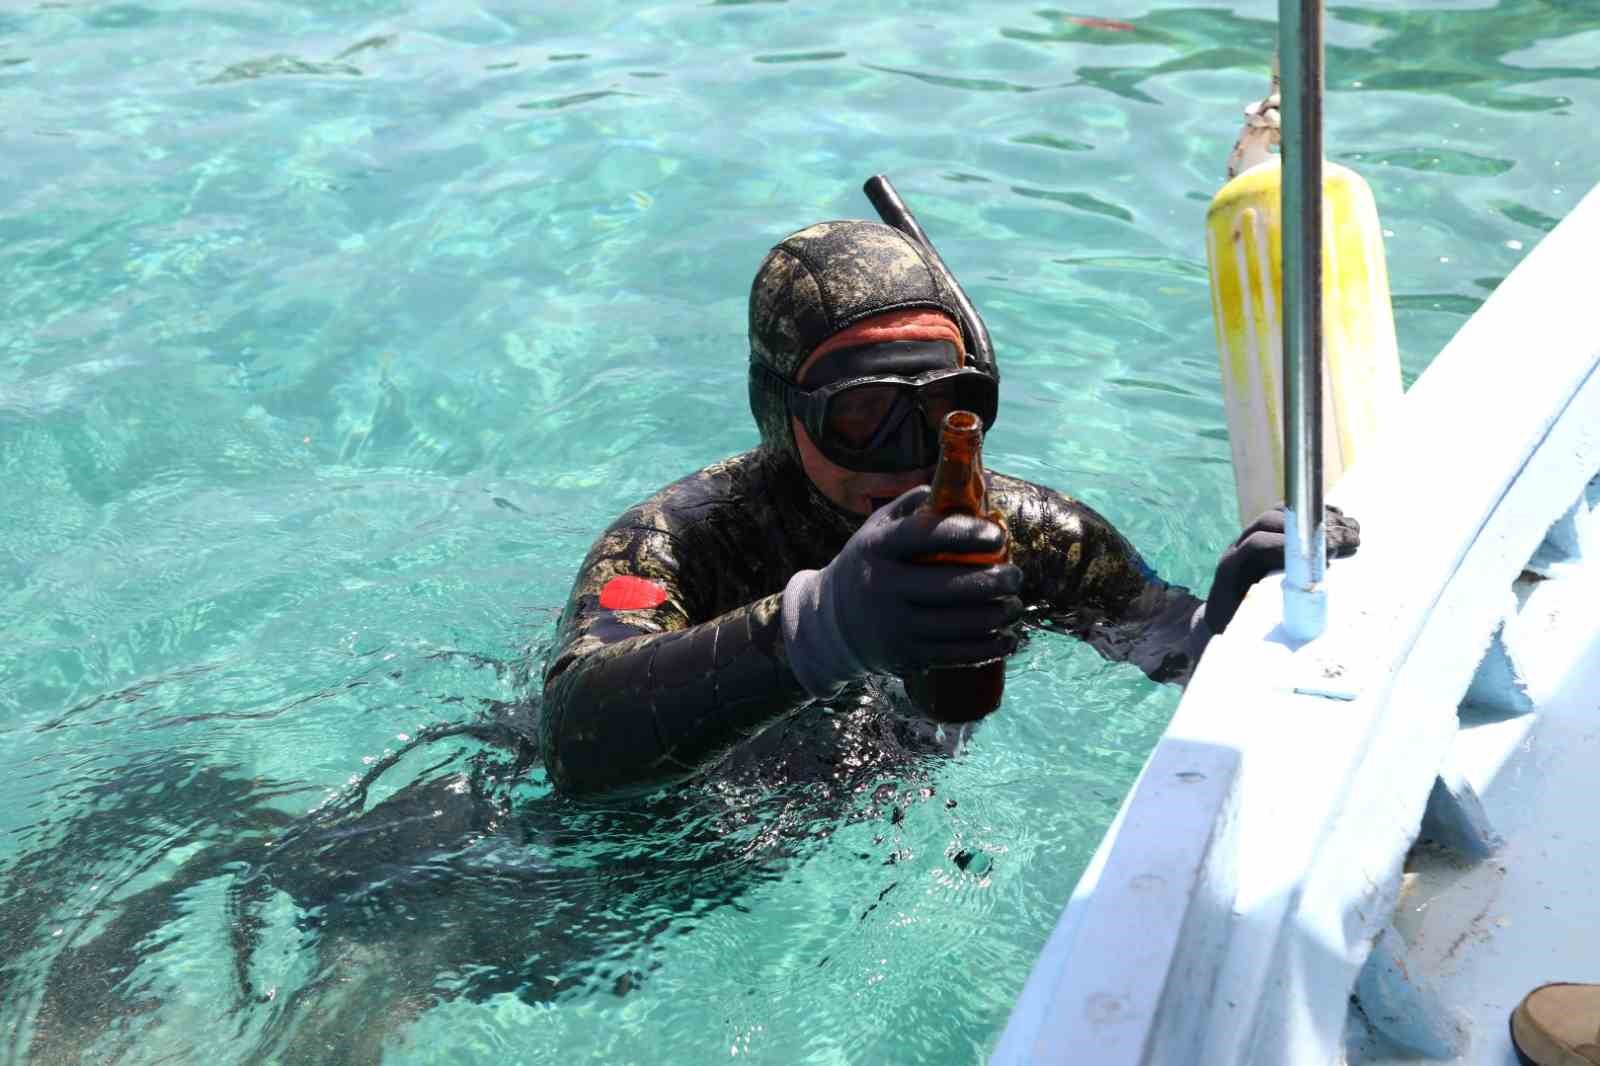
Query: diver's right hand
{"points": [[876, 610]]}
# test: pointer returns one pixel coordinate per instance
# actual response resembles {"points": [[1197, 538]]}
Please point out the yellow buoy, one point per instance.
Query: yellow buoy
{"points": [[1361, 361]]}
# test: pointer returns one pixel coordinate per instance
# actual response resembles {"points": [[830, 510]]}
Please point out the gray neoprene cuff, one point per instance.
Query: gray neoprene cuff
{"points": [[812, 640]]}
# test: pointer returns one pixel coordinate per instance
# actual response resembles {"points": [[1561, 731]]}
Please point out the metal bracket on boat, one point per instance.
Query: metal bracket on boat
{"points": [[1573, 536], [1499, 688], [1402, 1006], [1455, 818]]}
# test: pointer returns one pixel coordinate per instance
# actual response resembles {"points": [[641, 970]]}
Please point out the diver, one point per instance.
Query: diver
{"points": [[735, 598]]}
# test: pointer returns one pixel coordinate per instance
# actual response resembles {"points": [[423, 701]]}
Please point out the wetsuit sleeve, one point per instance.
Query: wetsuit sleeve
{"points": [[643, 696], [1083, 577]]}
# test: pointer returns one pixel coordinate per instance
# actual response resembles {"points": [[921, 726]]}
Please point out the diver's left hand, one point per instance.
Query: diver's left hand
{"points": [[1258, 551]]}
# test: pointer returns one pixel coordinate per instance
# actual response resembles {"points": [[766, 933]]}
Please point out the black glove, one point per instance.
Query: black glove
{"points": [[1259, 551], [874, 610]]}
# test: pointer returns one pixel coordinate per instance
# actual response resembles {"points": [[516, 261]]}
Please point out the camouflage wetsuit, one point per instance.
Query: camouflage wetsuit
{"points": [[640, 696]]}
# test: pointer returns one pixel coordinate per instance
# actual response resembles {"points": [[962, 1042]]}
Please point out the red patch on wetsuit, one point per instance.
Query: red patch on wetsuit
{"points": [[625, 593]]}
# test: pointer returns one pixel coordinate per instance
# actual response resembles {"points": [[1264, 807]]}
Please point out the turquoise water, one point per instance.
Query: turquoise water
{"points": [[334, 331]]}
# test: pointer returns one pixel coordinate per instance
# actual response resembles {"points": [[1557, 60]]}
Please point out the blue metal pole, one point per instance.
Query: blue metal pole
{"points": [[1305, 603]]}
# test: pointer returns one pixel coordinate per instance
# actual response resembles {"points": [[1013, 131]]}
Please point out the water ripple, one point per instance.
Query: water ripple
{"points": [[798, 57], [558, 102], [1448, 160], [310, 402], [1051, 140], [984, 85], [278, 65], [1082, 201]]}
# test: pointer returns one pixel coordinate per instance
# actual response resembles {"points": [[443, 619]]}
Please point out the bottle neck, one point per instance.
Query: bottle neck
{"points": [[958, 479]]}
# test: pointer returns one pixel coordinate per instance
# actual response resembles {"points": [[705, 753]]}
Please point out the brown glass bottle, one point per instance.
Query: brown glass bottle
{"points": [[961, 693]]}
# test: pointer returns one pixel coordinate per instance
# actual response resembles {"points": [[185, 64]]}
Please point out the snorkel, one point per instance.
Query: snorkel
{"points": [[894, 212]]}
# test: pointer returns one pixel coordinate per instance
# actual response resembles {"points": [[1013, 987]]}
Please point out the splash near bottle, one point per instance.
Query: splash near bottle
{"points": [[958, 694]]}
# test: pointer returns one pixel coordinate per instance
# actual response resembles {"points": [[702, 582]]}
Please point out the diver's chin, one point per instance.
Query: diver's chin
{"points": [[915, 480]]}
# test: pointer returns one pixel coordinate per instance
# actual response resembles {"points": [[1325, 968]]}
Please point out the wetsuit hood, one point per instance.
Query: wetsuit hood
{"points": [[821, 280]]}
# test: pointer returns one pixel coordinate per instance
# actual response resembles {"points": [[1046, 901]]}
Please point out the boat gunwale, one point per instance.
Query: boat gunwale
{"points": [[1337, 742]]}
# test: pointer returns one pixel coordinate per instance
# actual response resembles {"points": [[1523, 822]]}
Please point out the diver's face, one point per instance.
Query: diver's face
{"points": [[854, 490]]}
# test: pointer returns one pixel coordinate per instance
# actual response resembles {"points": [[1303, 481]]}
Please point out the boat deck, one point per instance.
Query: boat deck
{"points": [[1483, 934]]}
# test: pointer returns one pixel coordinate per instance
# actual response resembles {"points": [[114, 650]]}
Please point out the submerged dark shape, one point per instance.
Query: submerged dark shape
{"points": [[470, 880], [149, 807]]}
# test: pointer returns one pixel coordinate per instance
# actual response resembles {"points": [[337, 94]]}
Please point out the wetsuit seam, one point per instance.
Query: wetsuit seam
{"points": [[680, 764], [716, 671], [648, 529], [822, 296], [662, 747], [904, 305], [933, 277]]}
